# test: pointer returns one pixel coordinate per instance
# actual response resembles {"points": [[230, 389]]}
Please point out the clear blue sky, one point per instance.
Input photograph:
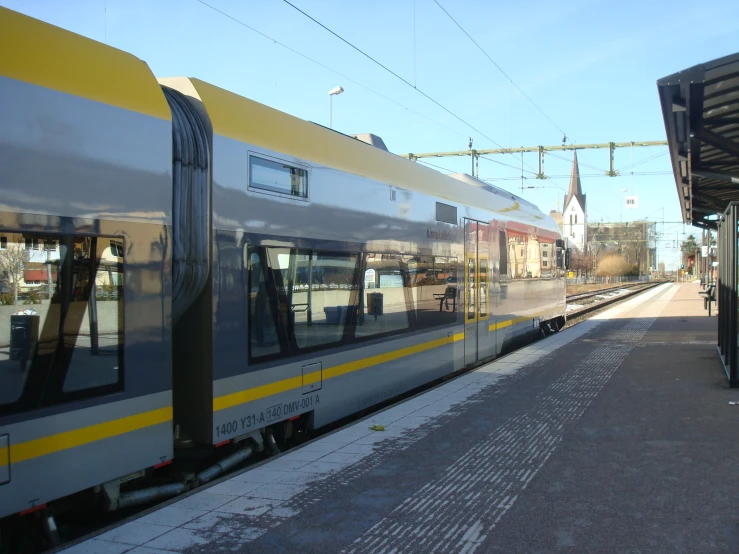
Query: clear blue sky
{"points": [[590, 65]]}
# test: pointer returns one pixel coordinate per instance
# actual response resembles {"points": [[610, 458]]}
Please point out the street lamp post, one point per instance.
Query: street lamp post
{"points": [[333, 92]]}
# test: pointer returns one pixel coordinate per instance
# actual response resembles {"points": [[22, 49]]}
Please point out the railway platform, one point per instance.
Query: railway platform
{"points": [[615, 435]]}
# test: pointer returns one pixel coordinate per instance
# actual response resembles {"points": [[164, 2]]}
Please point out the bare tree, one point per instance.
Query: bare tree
{"points": [[581, 261], [12, 263]]}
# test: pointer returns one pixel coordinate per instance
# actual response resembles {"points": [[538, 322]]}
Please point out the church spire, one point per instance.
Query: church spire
{"points": [[575, 190]]}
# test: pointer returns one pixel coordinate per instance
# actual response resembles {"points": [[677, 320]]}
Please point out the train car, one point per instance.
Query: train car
{"points": [[86, 195], [338, 261], [223, 276]]}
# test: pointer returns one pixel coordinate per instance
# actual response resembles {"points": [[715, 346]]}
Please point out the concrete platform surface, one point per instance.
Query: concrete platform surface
{"points": [[613, 436]]}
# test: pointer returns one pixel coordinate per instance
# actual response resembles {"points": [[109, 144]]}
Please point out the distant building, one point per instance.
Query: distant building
{"points": [[636, 241], [574, 218], [557, 217]]}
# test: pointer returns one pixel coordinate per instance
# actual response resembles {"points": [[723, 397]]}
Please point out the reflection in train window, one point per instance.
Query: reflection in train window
{"points": [[471, 290], [483, 287], [302, 300], [65, 341], [434, 289], [264, 339], [324, 297], [299, 299], [516, 255], [385, 303], [116, 248], [94, 356], [533, 257], [547, 256], [278, 176], [504, 267]]}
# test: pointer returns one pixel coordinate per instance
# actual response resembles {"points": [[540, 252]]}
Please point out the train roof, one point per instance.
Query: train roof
{"points": [[48, 56], [52, 57], [250, 122]]}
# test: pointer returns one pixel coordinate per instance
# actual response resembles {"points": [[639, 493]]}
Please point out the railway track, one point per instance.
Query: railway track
{"points": [[608, 299], [599, 292]]}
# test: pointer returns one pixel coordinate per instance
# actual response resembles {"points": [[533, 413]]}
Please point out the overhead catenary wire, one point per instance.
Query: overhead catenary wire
{"points": [[506, 165], [437, 166], [588, 175], [579, 163], [423, 161], [501, 70], [640, 162], [294, 51], [373, 60]]}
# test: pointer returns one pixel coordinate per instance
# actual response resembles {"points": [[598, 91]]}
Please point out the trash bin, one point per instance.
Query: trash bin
{"points": [[338, 315], [333, 314], [374, 303], [23, 337]]}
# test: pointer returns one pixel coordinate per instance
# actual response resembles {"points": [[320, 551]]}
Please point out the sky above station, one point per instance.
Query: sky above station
{"points": [[588, 68]]}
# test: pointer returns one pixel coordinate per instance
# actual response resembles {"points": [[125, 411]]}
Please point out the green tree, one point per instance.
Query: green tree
{"points": [[689, 246]]}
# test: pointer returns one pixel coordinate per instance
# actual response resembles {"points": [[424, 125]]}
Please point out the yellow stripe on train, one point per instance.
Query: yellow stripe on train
{"points": [[78, 437], [256, 393]]}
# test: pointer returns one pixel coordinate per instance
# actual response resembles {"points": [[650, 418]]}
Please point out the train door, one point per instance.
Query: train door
{"points": [[476, 292], [501, 306]]}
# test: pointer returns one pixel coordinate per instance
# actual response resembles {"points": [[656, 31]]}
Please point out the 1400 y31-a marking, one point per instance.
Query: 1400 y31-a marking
{"points": [[273, 413]]}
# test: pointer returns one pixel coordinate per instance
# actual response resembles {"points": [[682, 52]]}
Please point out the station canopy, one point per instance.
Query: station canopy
{"points": [[700, 106]]}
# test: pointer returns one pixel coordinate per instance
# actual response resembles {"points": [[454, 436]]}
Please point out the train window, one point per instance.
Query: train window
{"points": [[434, 290], [299, 300], [277, 176], [504, 268], [95, 356], [446, 213], [385, 307], [470, 290], [325, 291], [483, 287], [304, 300], [264, 339], [66, 341]]}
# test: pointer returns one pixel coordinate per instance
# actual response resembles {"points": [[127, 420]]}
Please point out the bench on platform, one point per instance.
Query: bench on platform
{"points": [[449, 294], [709, 295]]}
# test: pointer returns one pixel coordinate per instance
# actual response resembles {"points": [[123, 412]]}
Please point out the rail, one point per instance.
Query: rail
{"points": [[608, 301], [584, 295]]}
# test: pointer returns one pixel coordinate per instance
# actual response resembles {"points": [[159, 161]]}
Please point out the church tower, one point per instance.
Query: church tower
{"points": [[574, 218]]}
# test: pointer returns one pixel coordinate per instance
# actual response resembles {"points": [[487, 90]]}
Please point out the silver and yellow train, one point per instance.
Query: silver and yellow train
{"points": [[218, 273]]}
